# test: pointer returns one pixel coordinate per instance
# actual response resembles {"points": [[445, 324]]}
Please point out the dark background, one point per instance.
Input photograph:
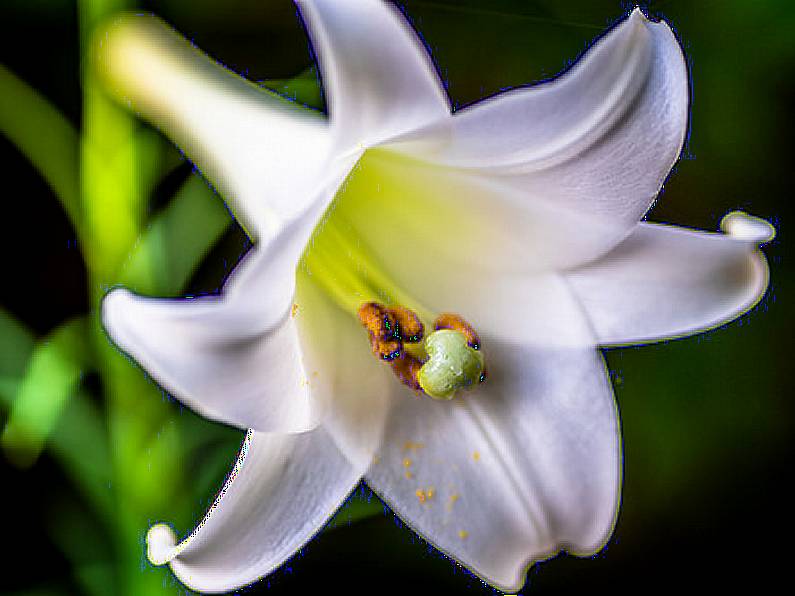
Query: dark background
{"points": [[707, 421]]}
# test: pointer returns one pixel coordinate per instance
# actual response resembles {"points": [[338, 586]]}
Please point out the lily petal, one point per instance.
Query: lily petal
{"points": [[234, 358], [439, 220], [261, 152], [379, 80], [198, 350], [524, 465], [667, 281], [599, 140], [350, 385], [282, 490]]}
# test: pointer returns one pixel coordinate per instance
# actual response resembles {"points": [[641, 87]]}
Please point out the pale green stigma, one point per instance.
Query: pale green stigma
{"points": [[452, 364]]}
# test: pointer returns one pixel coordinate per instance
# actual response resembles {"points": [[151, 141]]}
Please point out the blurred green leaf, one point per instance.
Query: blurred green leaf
{"points": [[79, 442], [95, 578], [210, 455], [78, 536], [362, 504], [78, 438], [50, 590], [45, 137], [16, 345], [304, 89], [177, 240], [53, 373]]}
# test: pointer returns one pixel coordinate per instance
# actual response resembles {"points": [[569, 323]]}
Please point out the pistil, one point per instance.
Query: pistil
{"points": [[449, 362], [446, 362]]}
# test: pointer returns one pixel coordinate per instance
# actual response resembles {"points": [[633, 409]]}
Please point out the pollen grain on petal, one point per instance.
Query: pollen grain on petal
{"points": [[412, 446]]}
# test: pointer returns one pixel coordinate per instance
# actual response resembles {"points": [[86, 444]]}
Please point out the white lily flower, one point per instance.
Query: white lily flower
{"points": [[520, 213]]}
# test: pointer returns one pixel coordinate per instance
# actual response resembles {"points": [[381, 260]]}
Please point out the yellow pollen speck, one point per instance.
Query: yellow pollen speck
{"points": [[453, 498], [430, 492], [376, 459], [409, 475], [294, 310], [304, 382], [476, 455], [420, 495], [462, 534], [407, 462], [411, 446], [315, 373]]}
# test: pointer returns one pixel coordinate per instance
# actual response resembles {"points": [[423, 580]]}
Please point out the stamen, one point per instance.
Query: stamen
{"points": [[409, 326], [407, 368], [456, 323], [382, 328], [450, 362]]}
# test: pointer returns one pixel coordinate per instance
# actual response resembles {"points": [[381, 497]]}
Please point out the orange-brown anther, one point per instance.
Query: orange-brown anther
{"points": [[378, 321], [406, 367], [390, 327], [456, 323], [409, 326], [388, 350], [381, 326]]}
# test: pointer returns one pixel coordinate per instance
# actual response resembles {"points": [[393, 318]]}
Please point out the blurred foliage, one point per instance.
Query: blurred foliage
{"points": [[706, 420]]}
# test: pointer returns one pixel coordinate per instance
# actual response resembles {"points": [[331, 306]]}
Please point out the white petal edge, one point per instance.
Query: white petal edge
{"points": [[527, 464], [598, 140], [236, 358], [201, 352], [261, 152], [344, 376], [379, 79], [665, 282], [281, 492]]}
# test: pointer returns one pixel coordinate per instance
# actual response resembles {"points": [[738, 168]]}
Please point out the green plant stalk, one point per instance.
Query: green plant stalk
{"points": [[116, 168]]}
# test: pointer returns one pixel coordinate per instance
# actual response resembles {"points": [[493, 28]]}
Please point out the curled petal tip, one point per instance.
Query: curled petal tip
{"points": [[112, 305], [160, 544], [639, 16], [742, 226]]}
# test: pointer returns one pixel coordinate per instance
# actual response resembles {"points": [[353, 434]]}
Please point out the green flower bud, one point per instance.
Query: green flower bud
{"points": [[452, 365]]}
